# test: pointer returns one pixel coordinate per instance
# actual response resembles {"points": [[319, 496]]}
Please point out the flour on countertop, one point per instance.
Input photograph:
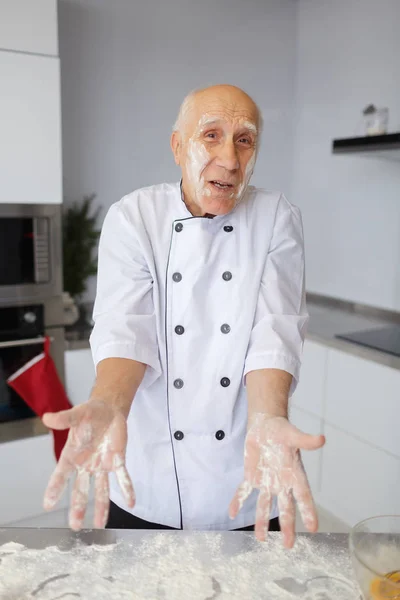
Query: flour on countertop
{"points": [[199, 566]]}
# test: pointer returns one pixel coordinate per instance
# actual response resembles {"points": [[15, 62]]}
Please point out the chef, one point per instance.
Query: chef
{"points": [[200, 319]]}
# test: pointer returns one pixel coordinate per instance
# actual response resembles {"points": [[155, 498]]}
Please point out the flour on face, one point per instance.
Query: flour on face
{"points": [[199, 158]]}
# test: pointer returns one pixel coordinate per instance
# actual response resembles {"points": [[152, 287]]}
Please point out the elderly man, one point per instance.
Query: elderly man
{"points": [[200, 319]]}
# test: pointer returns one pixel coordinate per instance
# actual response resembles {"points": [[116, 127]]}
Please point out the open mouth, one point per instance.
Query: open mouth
{"points": [[221, 185]]}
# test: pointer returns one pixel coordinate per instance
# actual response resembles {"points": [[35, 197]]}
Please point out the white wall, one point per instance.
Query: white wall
{"points": [[126, 66], [347, 56]]}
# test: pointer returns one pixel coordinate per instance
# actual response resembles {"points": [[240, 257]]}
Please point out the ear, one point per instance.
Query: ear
{"points": [[176, 145]]}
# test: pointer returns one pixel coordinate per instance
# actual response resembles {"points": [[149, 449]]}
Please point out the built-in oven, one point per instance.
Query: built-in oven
{"points": [[23, 327], [30, 251]]}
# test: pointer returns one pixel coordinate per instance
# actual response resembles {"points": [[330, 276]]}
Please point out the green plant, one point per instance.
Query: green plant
{"points": [[80, 238]]}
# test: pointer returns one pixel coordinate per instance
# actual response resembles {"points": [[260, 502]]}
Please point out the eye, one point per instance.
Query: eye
{"points": [[211, 135], [245, 140]]}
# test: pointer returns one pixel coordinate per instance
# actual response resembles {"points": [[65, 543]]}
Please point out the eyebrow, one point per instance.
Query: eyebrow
{"points": [[251, 127], [206, 122]]}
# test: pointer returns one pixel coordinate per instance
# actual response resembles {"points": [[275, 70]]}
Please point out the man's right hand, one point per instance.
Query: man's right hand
{"points": [[96, 446]]}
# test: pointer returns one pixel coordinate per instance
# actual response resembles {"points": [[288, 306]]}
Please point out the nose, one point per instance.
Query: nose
{"points": [[227, 156]]}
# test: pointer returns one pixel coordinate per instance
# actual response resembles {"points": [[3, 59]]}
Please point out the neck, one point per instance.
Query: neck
{"points": [[192, 207]]}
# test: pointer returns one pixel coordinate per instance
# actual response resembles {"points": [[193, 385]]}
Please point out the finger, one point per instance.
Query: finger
{"points": [[79, 499], [242, 493], [306, 441], [287, 517], [65, 419], [263, 513], [124, 480], [102, 500], [305, 502], [57, 482]]}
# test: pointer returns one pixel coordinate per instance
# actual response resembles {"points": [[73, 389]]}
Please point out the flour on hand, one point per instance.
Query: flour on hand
{"points": [[272, 464]]}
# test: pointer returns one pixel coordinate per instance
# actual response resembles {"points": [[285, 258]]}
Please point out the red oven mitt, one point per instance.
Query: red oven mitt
{"points": [[39, 385]]}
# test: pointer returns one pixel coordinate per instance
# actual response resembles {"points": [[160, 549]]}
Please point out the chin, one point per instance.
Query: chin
{"points": [[215, 206], [218, 203]]}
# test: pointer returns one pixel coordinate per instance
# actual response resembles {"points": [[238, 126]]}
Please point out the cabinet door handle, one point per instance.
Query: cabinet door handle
{"points": [[27, 342]]}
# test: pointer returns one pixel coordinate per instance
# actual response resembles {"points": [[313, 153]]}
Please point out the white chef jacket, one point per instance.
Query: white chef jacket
{"points": [[201, 301]]}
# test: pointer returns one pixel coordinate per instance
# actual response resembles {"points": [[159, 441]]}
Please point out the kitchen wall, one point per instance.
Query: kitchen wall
{"points": [[126, 66], [347, 56]]}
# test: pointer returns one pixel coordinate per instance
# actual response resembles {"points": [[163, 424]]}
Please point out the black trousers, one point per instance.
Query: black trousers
{"points": [[121, 519]]}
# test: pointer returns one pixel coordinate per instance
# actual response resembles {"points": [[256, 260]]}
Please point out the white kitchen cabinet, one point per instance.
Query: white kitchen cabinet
{"points": [[53, 518], [362, 398], [309, 394], [79, 379], [79, 375], [311, 459], [29, 26], [358, 481], [29, 463], [354, 402], [26, 466], [58, 517], [30, 141]]}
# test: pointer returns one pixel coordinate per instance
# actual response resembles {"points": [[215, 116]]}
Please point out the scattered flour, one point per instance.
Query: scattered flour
{"points": [[179, 566]]}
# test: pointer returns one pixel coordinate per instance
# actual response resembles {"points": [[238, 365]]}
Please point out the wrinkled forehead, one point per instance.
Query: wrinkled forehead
{"points": [[219, 113]]}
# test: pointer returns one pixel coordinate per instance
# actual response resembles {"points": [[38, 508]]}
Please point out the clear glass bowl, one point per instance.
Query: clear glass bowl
{"points": [[375, 554]]}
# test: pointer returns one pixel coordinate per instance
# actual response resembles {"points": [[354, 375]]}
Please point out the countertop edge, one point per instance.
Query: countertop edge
{"points": [[356, 350]]}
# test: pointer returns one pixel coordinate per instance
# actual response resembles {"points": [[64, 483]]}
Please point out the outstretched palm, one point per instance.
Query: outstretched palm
{"points": [[273, 465], [96, 446]]}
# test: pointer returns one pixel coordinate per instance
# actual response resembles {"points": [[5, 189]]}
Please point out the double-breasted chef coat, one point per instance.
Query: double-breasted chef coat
{"points": [[201, 301]]}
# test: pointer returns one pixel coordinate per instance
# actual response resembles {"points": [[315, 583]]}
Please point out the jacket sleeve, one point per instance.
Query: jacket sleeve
{"points": [[124, 314], [281, 317]]}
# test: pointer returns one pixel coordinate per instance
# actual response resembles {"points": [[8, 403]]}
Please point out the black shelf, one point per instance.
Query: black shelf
{"points": [[385, 146]]}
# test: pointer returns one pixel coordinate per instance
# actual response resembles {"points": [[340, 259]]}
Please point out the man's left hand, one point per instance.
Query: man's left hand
{"points": [[273, 465]]}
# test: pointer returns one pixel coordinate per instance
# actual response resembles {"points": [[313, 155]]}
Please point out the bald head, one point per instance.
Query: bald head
{"points": [[215, 143], [232, 97]]}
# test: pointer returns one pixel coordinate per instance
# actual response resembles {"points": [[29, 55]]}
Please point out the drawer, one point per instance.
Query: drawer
{"points": [[358, 481]]}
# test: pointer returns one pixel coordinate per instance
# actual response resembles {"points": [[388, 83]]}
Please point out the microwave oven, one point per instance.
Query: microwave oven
{"points": [[30, 252]]}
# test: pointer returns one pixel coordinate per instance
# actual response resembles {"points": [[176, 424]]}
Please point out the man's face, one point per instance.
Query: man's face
{"points": [[216, 149]]}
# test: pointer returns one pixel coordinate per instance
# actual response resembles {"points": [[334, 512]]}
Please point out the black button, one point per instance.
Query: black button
{"points": [[228, 228], [225, 328], [178, 435], [178, 227], [225, 382], [179, 329], [220, 435], [227, 276], [177, 277], [178, 383]]}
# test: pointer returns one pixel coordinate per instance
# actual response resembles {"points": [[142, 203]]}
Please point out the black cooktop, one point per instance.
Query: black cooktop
{"points": [[385, 339]]}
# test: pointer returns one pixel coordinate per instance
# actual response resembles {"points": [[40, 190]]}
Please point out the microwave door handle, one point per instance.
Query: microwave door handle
{"points": [[27, 342]]}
